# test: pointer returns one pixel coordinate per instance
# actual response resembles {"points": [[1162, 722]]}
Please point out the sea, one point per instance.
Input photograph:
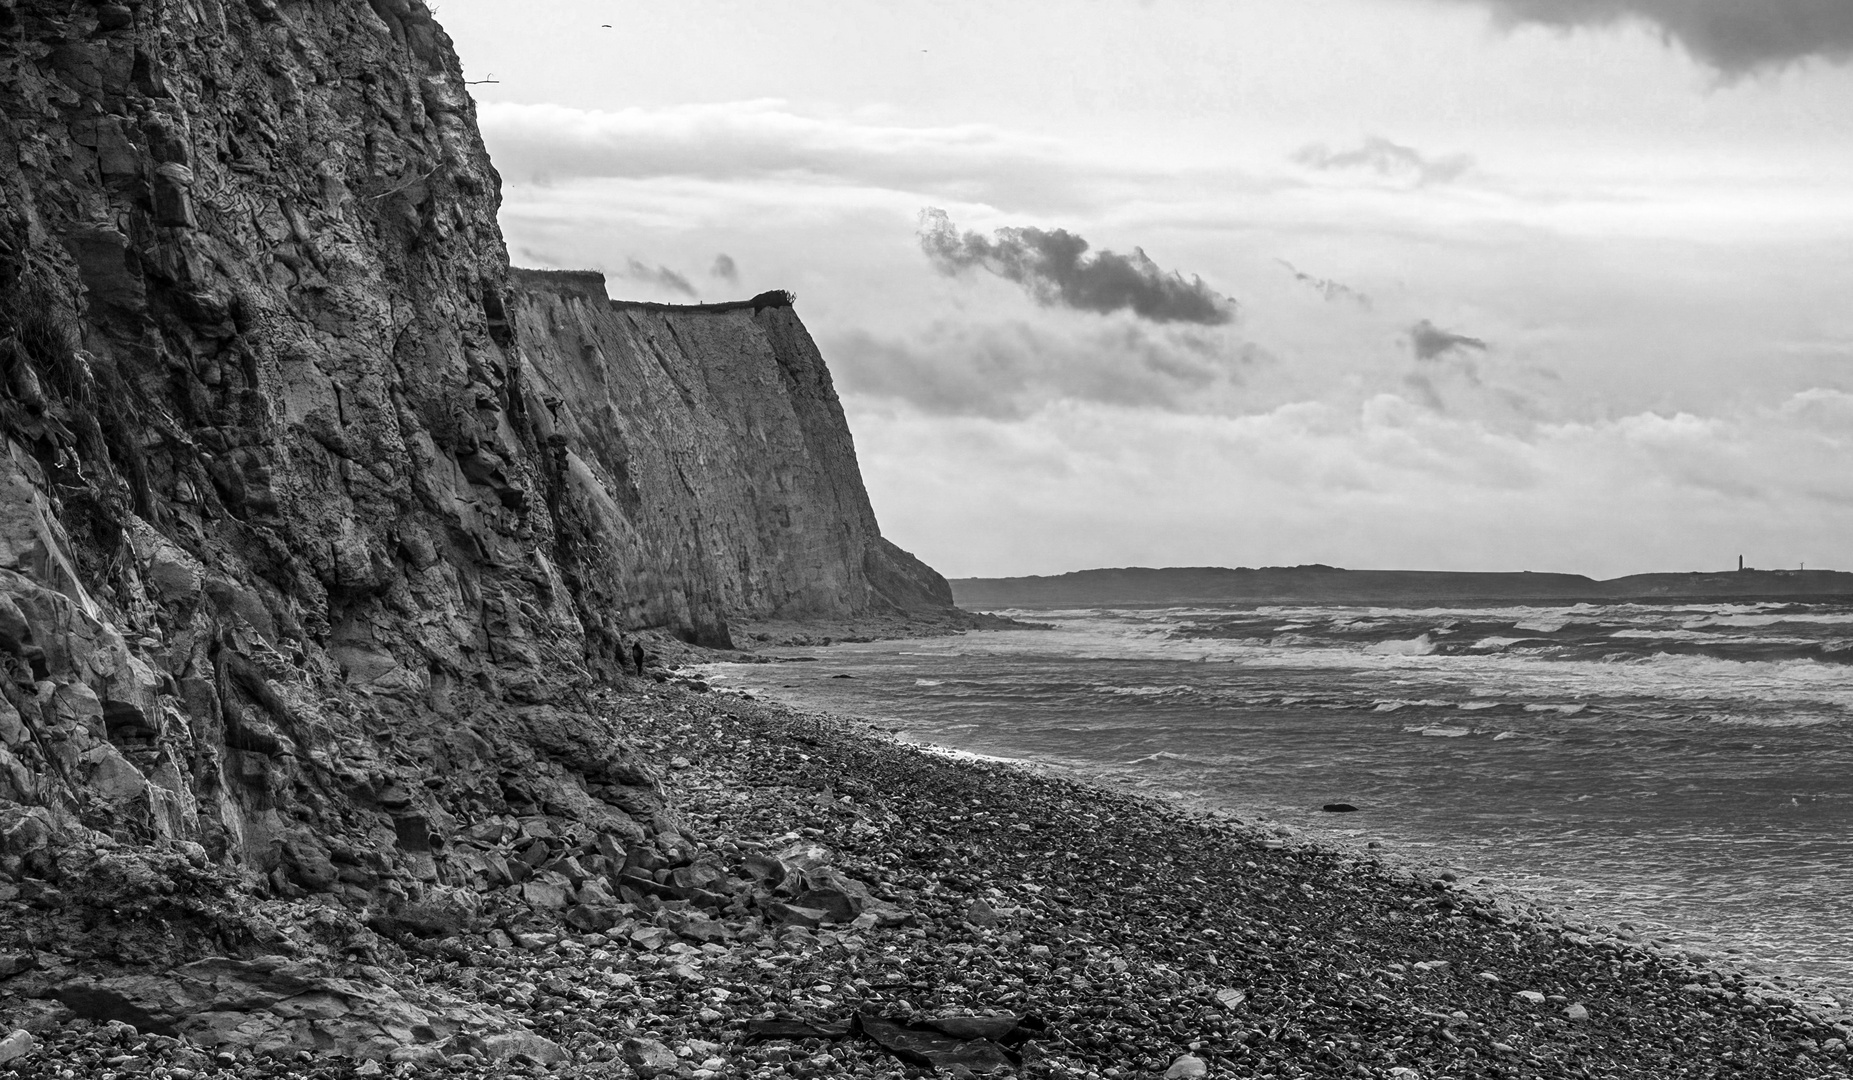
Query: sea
{"points": [[1683, 771]]}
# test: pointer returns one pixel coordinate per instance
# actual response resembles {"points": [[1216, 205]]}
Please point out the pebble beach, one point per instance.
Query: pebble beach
{"points": [[845, 904]]}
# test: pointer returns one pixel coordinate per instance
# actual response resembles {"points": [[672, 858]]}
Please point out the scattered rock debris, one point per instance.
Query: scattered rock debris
{"points": [[838, 904]]}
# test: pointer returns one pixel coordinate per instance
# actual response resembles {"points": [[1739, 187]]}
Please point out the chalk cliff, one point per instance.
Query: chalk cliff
{"points": [[701, 464], [318, 529]]}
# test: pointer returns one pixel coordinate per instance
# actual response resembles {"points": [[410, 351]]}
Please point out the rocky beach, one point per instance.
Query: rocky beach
{"points": [[331, 548], [837, 903]]}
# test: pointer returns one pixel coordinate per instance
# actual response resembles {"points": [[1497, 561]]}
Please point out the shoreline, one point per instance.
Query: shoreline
{"points": [[1393, 868], [831, 882], [1394, 859], [1597, 906]]}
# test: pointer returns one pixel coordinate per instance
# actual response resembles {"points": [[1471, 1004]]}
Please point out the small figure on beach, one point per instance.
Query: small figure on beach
{"points": [[637, 656]]}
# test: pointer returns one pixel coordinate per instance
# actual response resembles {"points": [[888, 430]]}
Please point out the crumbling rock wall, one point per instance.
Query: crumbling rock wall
{"points": [[266, 546], [703, 463], [314, 538]]}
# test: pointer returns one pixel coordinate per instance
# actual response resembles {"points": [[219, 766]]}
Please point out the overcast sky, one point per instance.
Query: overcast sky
{"points": [[1455, 284]]}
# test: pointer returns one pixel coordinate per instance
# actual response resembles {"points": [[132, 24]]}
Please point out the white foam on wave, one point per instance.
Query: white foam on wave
{"points": [[1778, 720], [963, 755], [929, 682], [1387, 705], [1421, 645], [1438, 731], [1288, 641], [1499, 642], [1801, 684], [1673, 634], [1836, 618], [1162, 755]]}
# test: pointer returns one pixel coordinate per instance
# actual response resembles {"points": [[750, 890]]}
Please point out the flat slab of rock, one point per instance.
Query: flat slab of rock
{"points": [[274, 1005], [935, 1044], [776, 1028]]}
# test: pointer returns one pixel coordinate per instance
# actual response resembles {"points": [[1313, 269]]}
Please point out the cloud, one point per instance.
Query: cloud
{"points": [[1432, 342], [1734, 36], [725, 268], [1053, 266], [1386, 158], [1326, 287], [765, 141], [1013, 370], [1382, 482], [660, 276]]}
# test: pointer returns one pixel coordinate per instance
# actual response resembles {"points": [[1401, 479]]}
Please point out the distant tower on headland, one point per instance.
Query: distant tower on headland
{"points": [[1740, 563]]}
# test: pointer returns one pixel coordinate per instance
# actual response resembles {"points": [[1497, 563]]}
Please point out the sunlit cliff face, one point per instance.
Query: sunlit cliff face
{"points": [[1508, 283]]}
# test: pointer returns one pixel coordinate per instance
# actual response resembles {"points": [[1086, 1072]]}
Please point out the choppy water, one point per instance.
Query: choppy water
{"points": [[1688, 769]]}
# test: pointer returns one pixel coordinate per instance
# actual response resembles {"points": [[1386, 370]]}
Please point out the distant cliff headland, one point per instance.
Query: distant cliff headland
{"points": [[1331, 584]]}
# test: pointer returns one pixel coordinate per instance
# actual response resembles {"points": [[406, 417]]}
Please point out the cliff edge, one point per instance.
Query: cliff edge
{"points": [[702, 465], [319, 531]]}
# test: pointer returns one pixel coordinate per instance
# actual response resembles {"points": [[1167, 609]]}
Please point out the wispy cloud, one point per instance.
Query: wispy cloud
{"points": [[1734, 36], [660, 276], [1431, 342], [1385, 158], [1440, 490], [1055, 268], [765, 140], [1012, 370], [1326, 287]]}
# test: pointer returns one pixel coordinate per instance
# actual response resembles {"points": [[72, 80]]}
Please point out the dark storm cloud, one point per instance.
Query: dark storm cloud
{"points": [[1055, 268], [1386, 158], [1431, 342], [1734, 36], [725, 268], [1012, 370], [1326, 287], [657, 275]]}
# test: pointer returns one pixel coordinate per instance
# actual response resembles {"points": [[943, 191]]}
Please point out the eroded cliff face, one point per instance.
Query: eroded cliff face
{"points": [[315, 535], [703, 467]]}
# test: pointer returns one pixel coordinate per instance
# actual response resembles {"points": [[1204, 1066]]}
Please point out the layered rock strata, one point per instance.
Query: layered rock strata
{"points": [[316, 530], [704, 467]]}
